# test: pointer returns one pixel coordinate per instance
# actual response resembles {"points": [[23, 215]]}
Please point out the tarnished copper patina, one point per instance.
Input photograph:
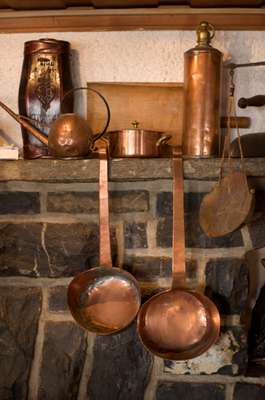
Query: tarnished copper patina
{"points": [[202, 79], [104, 300], [179, 323], [70, 135], [228, 206], [230, 203], [45, 78], [136, 142]]}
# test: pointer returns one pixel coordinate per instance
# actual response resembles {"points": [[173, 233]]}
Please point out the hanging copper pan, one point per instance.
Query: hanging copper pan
{"points": [[178, 323], [231, 202], [104, 300]]}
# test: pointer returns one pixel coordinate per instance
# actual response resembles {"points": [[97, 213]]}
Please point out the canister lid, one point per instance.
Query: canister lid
{"points": [[46, 44]]}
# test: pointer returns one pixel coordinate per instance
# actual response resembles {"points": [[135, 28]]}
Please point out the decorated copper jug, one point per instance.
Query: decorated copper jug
{"points": [[45, 78]]}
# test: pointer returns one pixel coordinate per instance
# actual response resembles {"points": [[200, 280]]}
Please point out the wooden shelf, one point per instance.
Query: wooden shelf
{"points": [[161, 18]]}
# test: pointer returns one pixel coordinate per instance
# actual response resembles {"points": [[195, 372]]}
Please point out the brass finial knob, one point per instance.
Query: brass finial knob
{"points": [[135, 124], [205, 33]]}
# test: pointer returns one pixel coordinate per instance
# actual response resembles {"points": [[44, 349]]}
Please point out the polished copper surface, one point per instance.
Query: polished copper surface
{"points": [[227, 206], [136, 142], [104, 300], [202, 80], [45, 78], [179, 323], [70, 135]]}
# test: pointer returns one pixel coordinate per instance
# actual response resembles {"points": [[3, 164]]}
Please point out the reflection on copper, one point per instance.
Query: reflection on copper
{"points": [[179, 323], [104, 301]]}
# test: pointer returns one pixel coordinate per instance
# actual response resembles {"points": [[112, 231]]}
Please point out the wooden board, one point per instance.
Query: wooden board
{"points": [[156, 106]]}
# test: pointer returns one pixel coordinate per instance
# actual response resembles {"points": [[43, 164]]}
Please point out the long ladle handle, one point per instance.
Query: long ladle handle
{"points": [[178, 245], [104, 226]]}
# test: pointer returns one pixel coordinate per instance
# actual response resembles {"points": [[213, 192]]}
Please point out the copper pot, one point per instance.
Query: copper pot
{"points": [[136, 142]]}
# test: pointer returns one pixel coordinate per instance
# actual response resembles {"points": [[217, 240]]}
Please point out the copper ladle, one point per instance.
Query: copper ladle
{"points": [[104, 300], [178, 323]]}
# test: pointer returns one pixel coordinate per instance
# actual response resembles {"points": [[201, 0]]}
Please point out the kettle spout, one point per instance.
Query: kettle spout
{"points": [[25, 124]]}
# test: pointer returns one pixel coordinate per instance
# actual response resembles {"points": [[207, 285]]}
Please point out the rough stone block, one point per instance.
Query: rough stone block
{"points": [[228, 356], [194, 236], [72, 202], [190, 391], [121, 367], [19, 203], [58, 299], [49, 249], [21, 251], [87, 202], [257, 231], [62, 362], [153, 268], [72, 248], [19, 314], [246, 391], [227, 284], [135, 235]]}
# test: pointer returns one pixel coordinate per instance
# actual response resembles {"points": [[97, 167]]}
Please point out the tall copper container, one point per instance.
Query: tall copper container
{"points": [[45, 78], [202, 82]]}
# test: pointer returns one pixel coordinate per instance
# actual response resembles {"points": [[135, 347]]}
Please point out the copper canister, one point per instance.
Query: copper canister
{"points": [[202, 83], [45, 78]]}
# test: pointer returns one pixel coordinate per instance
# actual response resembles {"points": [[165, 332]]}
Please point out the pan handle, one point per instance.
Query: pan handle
{"points": [[178, 240], [104, 226], [255, 101]]}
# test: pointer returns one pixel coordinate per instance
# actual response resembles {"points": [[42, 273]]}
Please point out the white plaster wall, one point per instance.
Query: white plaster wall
{"points": [[133, 56]]}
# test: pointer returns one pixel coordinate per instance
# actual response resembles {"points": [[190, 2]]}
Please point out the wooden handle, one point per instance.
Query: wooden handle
{"points": [[240, 122], [178, 245], [255, 101], [104, 227]]}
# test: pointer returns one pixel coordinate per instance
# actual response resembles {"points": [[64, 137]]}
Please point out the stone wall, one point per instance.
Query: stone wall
{"points": [[49, 232]]}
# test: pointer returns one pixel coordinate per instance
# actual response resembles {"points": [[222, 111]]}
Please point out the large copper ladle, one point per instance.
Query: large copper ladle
{"points": [[178, 323], [104, 300]]}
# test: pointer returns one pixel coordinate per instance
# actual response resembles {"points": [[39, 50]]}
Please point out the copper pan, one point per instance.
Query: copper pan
{"points": [[104, 300], [178, 323]]}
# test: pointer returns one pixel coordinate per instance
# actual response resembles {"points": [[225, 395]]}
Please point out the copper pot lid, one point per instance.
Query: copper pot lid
{"points": [[135, 129]]}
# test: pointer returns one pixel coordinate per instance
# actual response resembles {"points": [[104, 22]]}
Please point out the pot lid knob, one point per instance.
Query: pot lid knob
{"points": [[135, 124]]}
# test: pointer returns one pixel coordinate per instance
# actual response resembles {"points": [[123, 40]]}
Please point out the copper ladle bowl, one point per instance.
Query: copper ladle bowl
{"points": [[178, 323], [104, 300]]}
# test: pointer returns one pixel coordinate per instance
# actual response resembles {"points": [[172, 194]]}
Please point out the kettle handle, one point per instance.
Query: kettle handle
{"points": [[100, 134]]}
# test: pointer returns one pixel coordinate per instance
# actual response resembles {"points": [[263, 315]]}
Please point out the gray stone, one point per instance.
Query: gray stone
{"points": [[227, 284], [153, 268], [62, 362], [135, 235], [190, 391], [87, 202], [21, 251], [257, 231], [120, 169], [19, 314], [228, 356], [72, 248], [58, 299], [121, 367], [246, 391], [72, 202], [194, 236], [129, 201], [19, 203]]}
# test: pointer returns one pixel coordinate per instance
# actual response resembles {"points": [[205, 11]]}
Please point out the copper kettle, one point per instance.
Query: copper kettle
{"points": [[69, 136]]}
